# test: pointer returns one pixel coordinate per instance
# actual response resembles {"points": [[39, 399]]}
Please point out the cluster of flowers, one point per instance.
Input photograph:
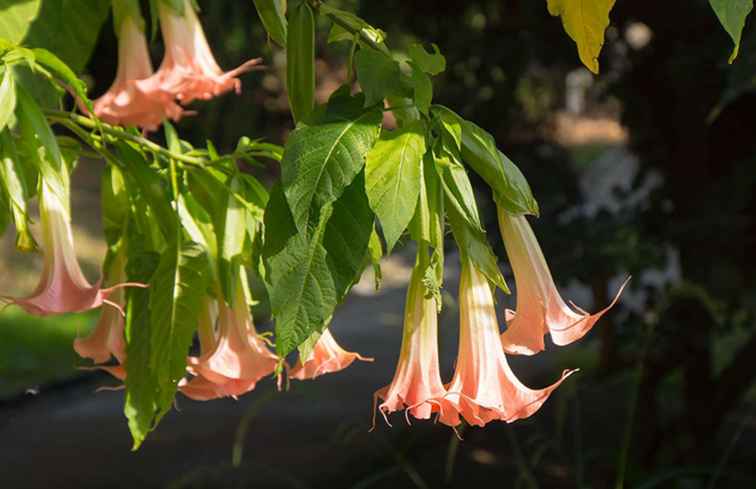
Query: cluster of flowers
{"points": [[143, 98]]}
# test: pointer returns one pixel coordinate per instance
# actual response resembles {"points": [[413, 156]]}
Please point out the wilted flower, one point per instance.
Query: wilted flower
{"points": [[417, 385], [62, 287], [540, 308], [484, 388], [233, 359], [326, 357], [134, 99], [189, 69]]}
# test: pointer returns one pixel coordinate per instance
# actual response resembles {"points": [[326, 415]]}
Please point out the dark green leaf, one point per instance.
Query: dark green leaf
{"points": [[300, 60], [392, 178], [271, 14], [320, 161], [379, 76]]}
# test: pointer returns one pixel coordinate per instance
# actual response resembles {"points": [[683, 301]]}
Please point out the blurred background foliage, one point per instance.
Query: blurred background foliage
{"points": [[648, 169]]}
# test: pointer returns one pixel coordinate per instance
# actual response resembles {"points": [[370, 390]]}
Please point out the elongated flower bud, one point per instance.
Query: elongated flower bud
{"points": [[540, 308]]}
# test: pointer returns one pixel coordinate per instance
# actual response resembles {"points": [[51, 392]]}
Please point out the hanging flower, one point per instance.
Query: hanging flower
{"points": [[540, 308], [134, 99], [326, 357], [62, 287], [484, 388], [417, 385], [107, 339], [233, 359], [189, 69]]}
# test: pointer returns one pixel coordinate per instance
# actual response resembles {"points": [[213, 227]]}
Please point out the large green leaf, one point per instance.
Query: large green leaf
{"points": [[732, 15], [176, 293], [69, 28], [16, 17], [300, 60], [392, 178], [585, 22], [14, 182], [271, 14], [320, 161]]}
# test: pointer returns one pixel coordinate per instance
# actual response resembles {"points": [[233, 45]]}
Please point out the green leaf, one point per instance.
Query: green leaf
{"points": [[7, 98], [459, 192], [300, 61], [14, 182], [423, 88], [347, 236], [40, 143], [392, 178], [585, 22], [115, 204], [375, 249], [70, 28], [271, 14], [732, 15], [232, 243], [303, 294], [62, 71], [345, 24], [449, 125], [379, 76], [176, 293], [320, 161], [431, 63], [16, 17]]}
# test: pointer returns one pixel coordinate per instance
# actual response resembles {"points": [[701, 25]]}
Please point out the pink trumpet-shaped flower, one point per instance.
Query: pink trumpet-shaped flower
{"points": [[133, 99], [327, 357], [540, 308], [107, 339], [417, 385], [233, 359], [62, 287], [484, 388], [189, 69]]}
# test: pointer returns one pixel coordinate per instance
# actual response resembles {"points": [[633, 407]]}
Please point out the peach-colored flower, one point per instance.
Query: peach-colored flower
{"points": [[484, 388], [134, 99], [326, 357], [233, 358], [189, 69], [417, 385], [540, 308], [62, 287], [107, 339]]}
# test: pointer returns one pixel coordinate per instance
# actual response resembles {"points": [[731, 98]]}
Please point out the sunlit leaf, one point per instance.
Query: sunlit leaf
{"points": [[585, 22]]}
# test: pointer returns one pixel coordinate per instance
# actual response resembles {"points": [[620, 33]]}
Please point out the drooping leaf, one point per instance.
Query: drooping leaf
{"points": [[7, 98], [271, 14], [16, 17], [300, 60], [423, 88], [732, 15], [320, 161], [379, 76], [431, 63], [232, 240], [392, 178], [585, 22], [176, 293], [345, 24], [14, 182], [375, 248], [115, 204], [63, 72]]}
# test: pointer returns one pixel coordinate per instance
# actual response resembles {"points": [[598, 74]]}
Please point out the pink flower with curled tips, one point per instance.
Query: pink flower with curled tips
{"points": [[107, 339], [326, 357], [189, 70], [233, 357], [134, 99], [62, 287], [484, 388], [417, 386], [540, 308]]}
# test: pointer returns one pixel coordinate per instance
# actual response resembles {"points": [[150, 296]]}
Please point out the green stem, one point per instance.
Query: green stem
{"points": [[89, 123]]}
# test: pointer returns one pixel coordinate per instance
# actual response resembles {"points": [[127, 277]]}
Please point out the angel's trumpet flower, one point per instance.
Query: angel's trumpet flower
{"points": [[62, 287], [107, 340], [234, 358], [484, 388], [540, 308], [134, 99], [417, 385], [189, 69], [326, 357]]}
